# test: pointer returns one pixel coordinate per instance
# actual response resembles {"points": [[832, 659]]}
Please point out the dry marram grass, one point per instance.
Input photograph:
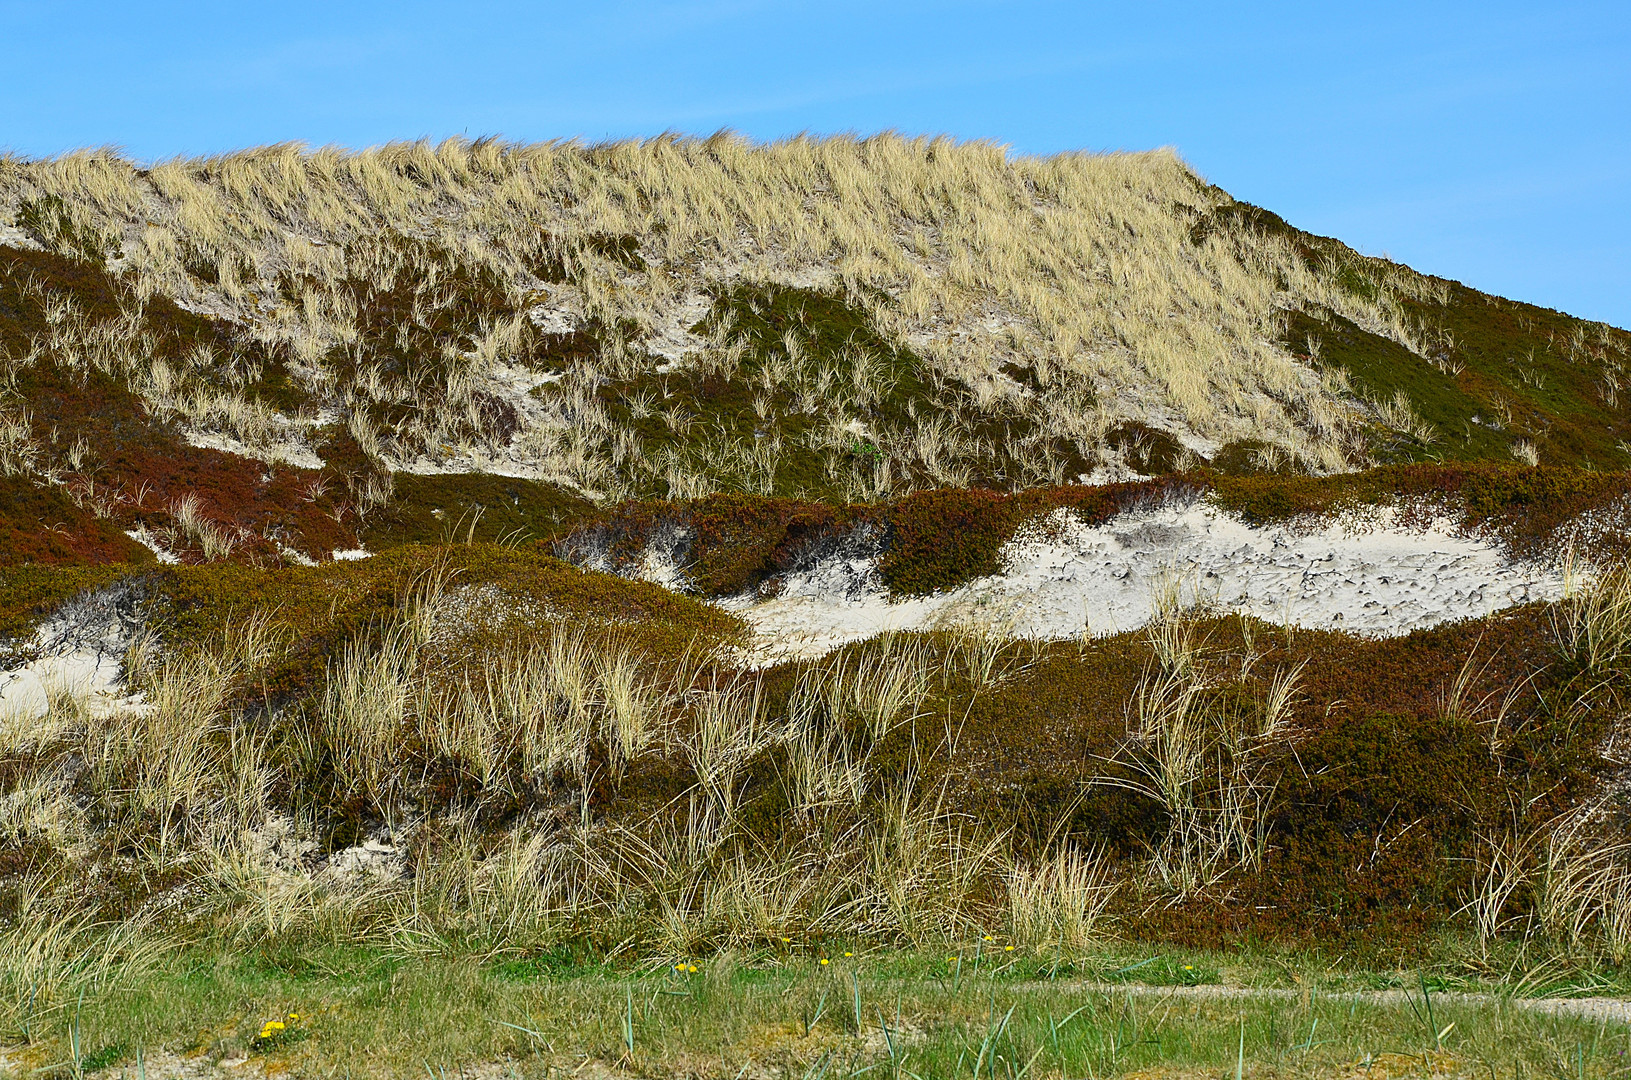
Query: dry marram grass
{"points": [[1083, 269]]}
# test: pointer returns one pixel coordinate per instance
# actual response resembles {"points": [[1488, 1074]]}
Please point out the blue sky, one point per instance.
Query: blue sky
{"points": [[1488, 142]]}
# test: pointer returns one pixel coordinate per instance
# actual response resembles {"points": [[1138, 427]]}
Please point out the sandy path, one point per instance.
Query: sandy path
{"points": [[1597, 1009]]}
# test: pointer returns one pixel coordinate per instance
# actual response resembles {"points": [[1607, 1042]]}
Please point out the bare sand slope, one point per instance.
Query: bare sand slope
{"points": [[1369, 573]]}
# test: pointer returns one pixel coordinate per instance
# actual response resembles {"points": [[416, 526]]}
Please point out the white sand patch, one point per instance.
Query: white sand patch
{"points": [[555, 320], [660, 560], [842, 599], [26, 692], [293, 452], [1060, 578], [297, 558], [78, 653], [146, 539], [670, 335], [376, 858], [513, 384], [12, 236]]}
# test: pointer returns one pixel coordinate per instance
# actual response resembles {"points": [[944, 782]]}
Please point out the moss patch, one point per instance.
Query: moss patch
{"points": [[40, 525], [31, 593], [1145, 449], [1379, 369], [803, 361], [472, 506], [736, 542], [320, 608], [1504, 369]]}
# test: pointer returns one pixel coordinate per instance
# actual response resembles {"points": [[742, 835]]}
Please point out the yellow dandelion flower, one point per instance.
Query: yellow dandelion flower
{"points": [[849, 954], [692, 969], [786, 940], [679, 967], [823, 961], [951, 959], [1007, 948], [294, 1016], [988, 937]]}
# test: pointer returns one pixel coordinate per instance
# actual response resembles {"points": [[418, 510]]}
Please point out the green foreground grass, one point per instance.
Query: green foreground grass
{"points": [[985, 1012]]}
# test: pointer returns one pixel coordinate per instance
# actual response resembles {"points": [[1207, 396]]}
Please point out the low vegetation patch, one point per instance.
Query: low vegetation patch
{"points": [[586, 739], [481, 752], [469, 507], [946, 1012]]}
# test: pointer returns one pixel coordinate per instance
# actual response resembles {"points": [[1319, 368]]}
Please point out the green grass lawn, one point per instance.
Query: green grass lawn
{"points": [[981, 1012]]}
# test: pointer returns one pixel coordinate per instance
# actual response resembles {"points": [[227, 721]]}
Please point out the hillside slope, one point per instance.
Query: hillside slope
{"points": [[281, 354], [1034, 552]]}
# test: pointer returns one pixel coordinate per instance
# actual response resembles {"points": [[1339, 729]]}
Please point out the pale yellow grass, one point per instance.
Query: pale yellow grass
{"points": [[1083, 268]]}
